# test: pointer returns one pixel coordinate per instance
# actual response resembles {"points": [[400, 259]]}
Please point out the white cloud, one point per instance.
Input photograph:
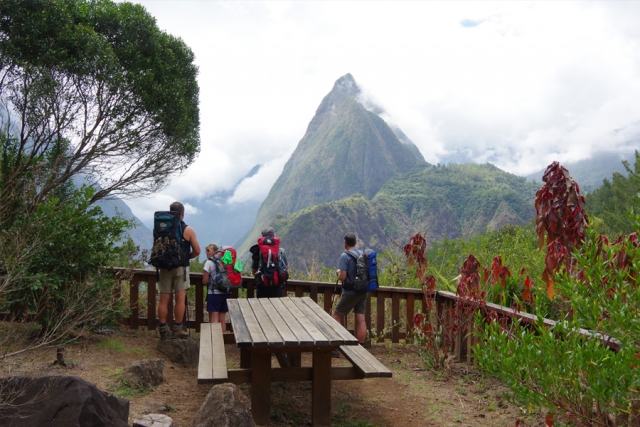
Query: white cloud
{"points": [[256, 187], [516, 83]]}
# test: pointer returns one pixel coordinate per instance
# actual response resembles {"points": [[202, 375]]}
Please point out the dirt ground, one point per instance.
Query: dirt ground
{"points": [[413, 397]]}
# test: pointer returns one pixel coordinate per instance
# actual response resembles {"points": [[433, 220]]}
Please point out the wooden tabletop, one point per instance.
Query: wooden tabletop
{"points": [[285, 322]]}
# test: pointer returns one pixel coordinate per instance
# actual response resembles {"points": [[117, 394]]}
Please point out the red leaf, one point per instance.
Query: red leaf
{"points": [[549, 419]]}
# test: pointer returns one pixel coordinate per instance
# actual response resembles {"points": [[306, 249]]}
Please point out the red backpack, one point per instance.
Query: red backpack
{"points": [[272, 269], [228, 272]]}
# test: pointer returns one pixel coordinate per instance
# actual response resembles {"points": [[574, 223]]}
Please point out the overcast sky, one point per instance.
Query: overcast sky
{"points": [[519, 84]]}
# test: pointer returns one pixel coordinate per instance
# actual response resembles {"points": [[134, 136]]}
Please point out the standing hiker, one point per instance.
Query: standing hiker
{"points": [[351, 299], [269, 265], [175, 244], [216, 298]]}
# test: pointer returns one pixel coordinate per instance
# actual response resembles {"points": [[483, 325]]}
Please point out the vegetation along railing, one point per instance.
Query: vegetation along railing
{"points": [[390, 310]]}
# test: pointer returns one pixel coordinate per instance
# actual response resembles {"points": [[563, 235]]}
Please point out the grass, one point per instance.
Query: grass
{"points": [[116, 345]]}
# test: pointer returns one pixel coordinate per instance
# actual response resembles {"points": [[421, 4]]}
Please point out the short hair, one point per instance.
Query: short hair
{"points": [[350, 239], [213, 247], [176, 207], [268, 231]]}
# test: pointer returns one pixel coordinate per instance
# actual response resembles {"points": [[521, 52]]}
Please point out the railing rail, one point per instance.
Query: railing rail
{"points": [[389, 310]]}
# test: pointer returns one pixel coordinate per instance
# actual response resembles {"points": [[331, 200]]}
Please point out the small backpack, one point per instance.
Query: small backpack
{"points": [[169, 250], [228, 271], [366, 279], [272, 270]]}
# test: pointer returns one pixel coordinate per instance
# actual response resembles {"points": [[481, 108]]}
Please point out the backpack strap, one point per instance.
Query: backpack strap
{"points": [[355, 262]]}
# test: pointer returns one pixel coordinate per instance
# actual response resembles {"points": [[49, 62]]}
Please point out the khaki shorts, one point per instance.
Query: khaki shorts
{"points": [[173, 280], [356, 302]]}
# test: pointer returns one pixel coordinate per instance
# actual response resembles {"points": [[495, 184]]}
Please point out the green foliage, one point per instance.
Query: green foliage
{"points": [[617, 197], [393, 270], [103, 75], [569, 373], [516, 244]]}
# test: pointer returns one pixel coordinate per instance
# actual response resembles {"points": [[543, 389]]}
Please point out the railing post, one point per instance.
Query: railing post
{"points": [[133, 303], [410, 314], [395, 317], [380, 316], [151, 303]]}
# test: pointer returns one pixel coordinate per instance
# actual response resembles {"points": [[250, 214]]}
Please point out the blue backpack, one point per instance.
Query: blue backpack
{"points": [[366, 279], [169, 249]]}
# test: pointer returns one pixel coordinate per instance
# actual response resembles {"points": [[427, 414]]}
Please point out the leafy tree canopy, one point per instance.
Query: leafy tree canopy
{"points": [[613, 201], [94, 88]]}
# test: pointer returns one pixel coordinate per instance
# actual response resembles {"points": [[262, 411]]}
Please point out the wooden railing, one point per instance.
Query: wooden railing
{"points": [[389, 310]]}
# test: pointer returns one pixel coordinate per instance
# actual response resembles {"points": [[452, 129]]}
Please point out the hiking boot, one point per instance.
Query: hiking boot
{"points": [[179, 332], [164, 332]]}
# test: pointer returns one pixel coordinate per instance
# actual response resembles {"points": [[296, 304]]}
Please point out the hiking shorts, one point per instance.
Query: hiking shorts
{"points": [[173, 280], [357, 302], [217, 303]]}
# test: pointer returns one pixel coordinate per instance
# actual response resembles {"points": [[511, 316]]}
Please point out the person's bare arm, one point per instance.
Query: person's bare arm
{"points": [[342, 275], [190, 235], [205, 277]]}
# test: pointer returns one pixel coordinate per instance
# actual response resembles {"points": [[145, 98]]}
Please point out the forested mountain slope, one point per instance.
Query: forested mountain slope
{"points": [[452, 201]]}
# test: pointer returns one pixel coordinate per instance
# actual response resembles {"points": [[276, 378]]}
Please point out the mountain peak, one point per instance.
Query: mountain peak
{"points": [[348, 85]]}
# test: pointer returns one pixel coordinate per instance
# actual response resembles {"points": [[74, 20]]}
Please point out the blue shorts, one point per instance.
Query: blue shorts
{"points": [[217, 303]]}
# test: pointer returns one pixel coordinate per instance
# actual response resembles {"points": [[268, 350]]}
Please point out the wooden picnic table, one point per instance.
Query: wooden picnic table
{"points": [[288, 325]]}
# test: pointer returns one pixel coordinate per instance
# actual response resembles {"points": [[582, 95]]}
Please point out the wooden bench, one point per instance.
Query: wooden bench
{"points": [[212, 364], [365, 363]]}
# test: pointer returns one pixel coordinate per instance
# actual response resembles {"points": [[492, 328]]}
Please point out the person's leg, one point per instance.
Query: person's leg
{"points": [[361, 328], [163, 307], [178, 311], [220, 318], [360, 309]]}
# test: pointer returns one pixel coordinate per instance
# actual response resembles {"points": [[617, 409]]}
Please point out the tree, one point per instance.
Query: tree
{"points": [[614, 200], [94, 88]]}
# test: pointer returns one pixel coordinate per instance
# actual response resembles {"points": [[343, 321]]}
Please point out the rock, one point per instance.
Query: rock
{"points": [[182, 352], [153, 420], [144, 374], [154, 407], [224, 406], [59, 401]]}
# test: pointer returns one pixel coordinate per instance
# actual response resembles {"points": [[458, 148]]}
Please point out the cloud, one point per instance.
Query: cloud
{"points": [[256, 187], [515, 83]]}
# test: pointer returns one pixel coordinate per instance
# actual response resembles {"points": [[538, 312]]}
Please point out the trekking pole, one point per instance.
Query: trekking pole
{"points": [[186, 313], [333, 297]]}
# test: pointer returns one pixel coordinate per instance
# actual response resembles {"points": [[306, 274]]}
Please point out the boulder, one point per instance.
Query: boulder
{"points": [[59, 401], [154, 407], [181, 352], [144, 373], [224, 406], [153, 420]]}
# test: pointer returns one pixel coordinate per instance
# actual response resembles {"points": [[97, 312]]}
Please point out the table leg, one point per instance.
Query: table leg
{"points": [[245, 358], [321, 397], [261, 387]]}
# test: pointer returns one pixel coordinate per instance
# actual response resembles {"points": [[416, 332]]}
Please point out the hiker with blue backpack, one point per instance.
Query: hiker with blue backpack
{"points": [[358, 272], [174, 245]]}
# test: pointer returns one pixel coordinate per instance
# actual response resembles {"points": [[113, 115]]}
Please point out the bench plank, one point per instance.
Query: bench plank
{"points": [[304, 339], [346, 336], [364, 361], [333, 337], [240, 330], [212, 364], [317, 336], [205, 361], [289, 338], [268, 328], [257, 336]]}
